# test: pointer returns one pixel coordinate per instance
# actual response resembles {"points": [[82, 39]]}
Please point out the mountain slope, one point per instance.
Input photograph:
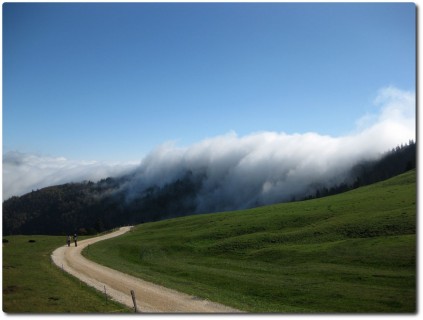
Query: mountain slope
{"points": [[353, 252], [88, 208]]}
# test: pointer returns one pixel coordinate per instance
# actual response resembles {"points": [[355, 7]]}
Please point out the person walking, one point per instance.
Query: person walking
{"points": [[68, 240], [75, 238]]}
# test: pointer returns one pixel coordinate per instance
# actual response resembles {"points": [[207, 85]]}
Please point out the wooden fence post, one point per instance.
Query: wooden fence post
{"points": [[134, 301], [105, 293]]}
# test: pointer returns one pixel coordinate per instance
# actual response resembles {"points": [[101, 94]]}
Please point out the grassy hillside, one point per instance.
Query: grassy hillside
{"points": [[353, 252], [33, 284]]}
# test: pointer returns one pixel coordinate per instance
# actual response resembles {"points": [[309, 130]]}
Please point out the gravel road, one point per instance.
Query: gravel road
{"points": [[150, 298]]}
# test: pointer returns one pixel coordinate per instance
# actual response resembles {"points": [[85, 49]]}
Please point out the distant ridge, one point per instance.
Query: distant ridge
{"points": [[88, 207]]}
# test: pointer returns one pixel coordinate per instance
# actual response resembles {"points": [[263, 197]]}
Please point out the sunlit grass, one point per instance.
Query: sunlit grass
{"points": [[33, 284], [353, 252]]}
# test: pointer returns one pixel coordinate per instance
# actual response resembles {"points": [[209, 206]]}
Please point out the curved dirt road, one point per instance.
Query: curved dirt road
{"points": [[150, 297]]}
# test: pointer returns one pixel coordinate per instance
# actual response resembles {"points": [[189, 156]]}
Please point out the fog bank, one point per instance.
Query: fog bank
{"points": [[269, 167], [23, 172], [238, 171]]}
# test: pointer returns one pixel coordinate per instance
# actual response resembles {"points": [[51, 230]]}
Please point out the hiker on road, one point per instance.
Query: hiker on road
{"points": [[68, 240], [75, 238]]}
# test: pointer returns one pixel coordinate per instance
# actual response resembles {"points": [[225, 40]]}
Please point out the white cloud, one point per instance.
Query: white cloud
{"points": [[242, 171], [265, 167], [393, 106], [23, 172]]}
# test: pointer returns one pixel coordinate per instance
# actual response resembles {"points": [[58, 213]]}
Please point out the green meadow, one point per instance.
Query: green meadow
{"points": [[33, 284], [352, 253]]}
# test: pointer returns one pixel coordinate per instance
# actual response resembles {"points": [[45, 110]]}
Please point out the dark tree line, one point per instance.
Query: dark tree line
{"points": [[394, 162], [88, 208]]}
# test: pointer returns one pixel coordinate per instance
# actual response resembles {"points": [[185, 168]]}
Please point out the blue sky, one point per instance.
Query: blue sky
{"points": [[110, 82]]}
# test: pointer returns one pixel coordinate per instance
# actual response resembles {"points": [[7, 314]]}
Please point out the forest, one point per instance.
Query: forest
{"points": [[91, 207]]}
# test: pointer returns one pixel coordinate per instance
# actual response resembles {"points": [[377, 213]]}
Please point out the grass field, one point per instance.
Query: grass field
{"points": [[353, 252], [33, 284]]}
